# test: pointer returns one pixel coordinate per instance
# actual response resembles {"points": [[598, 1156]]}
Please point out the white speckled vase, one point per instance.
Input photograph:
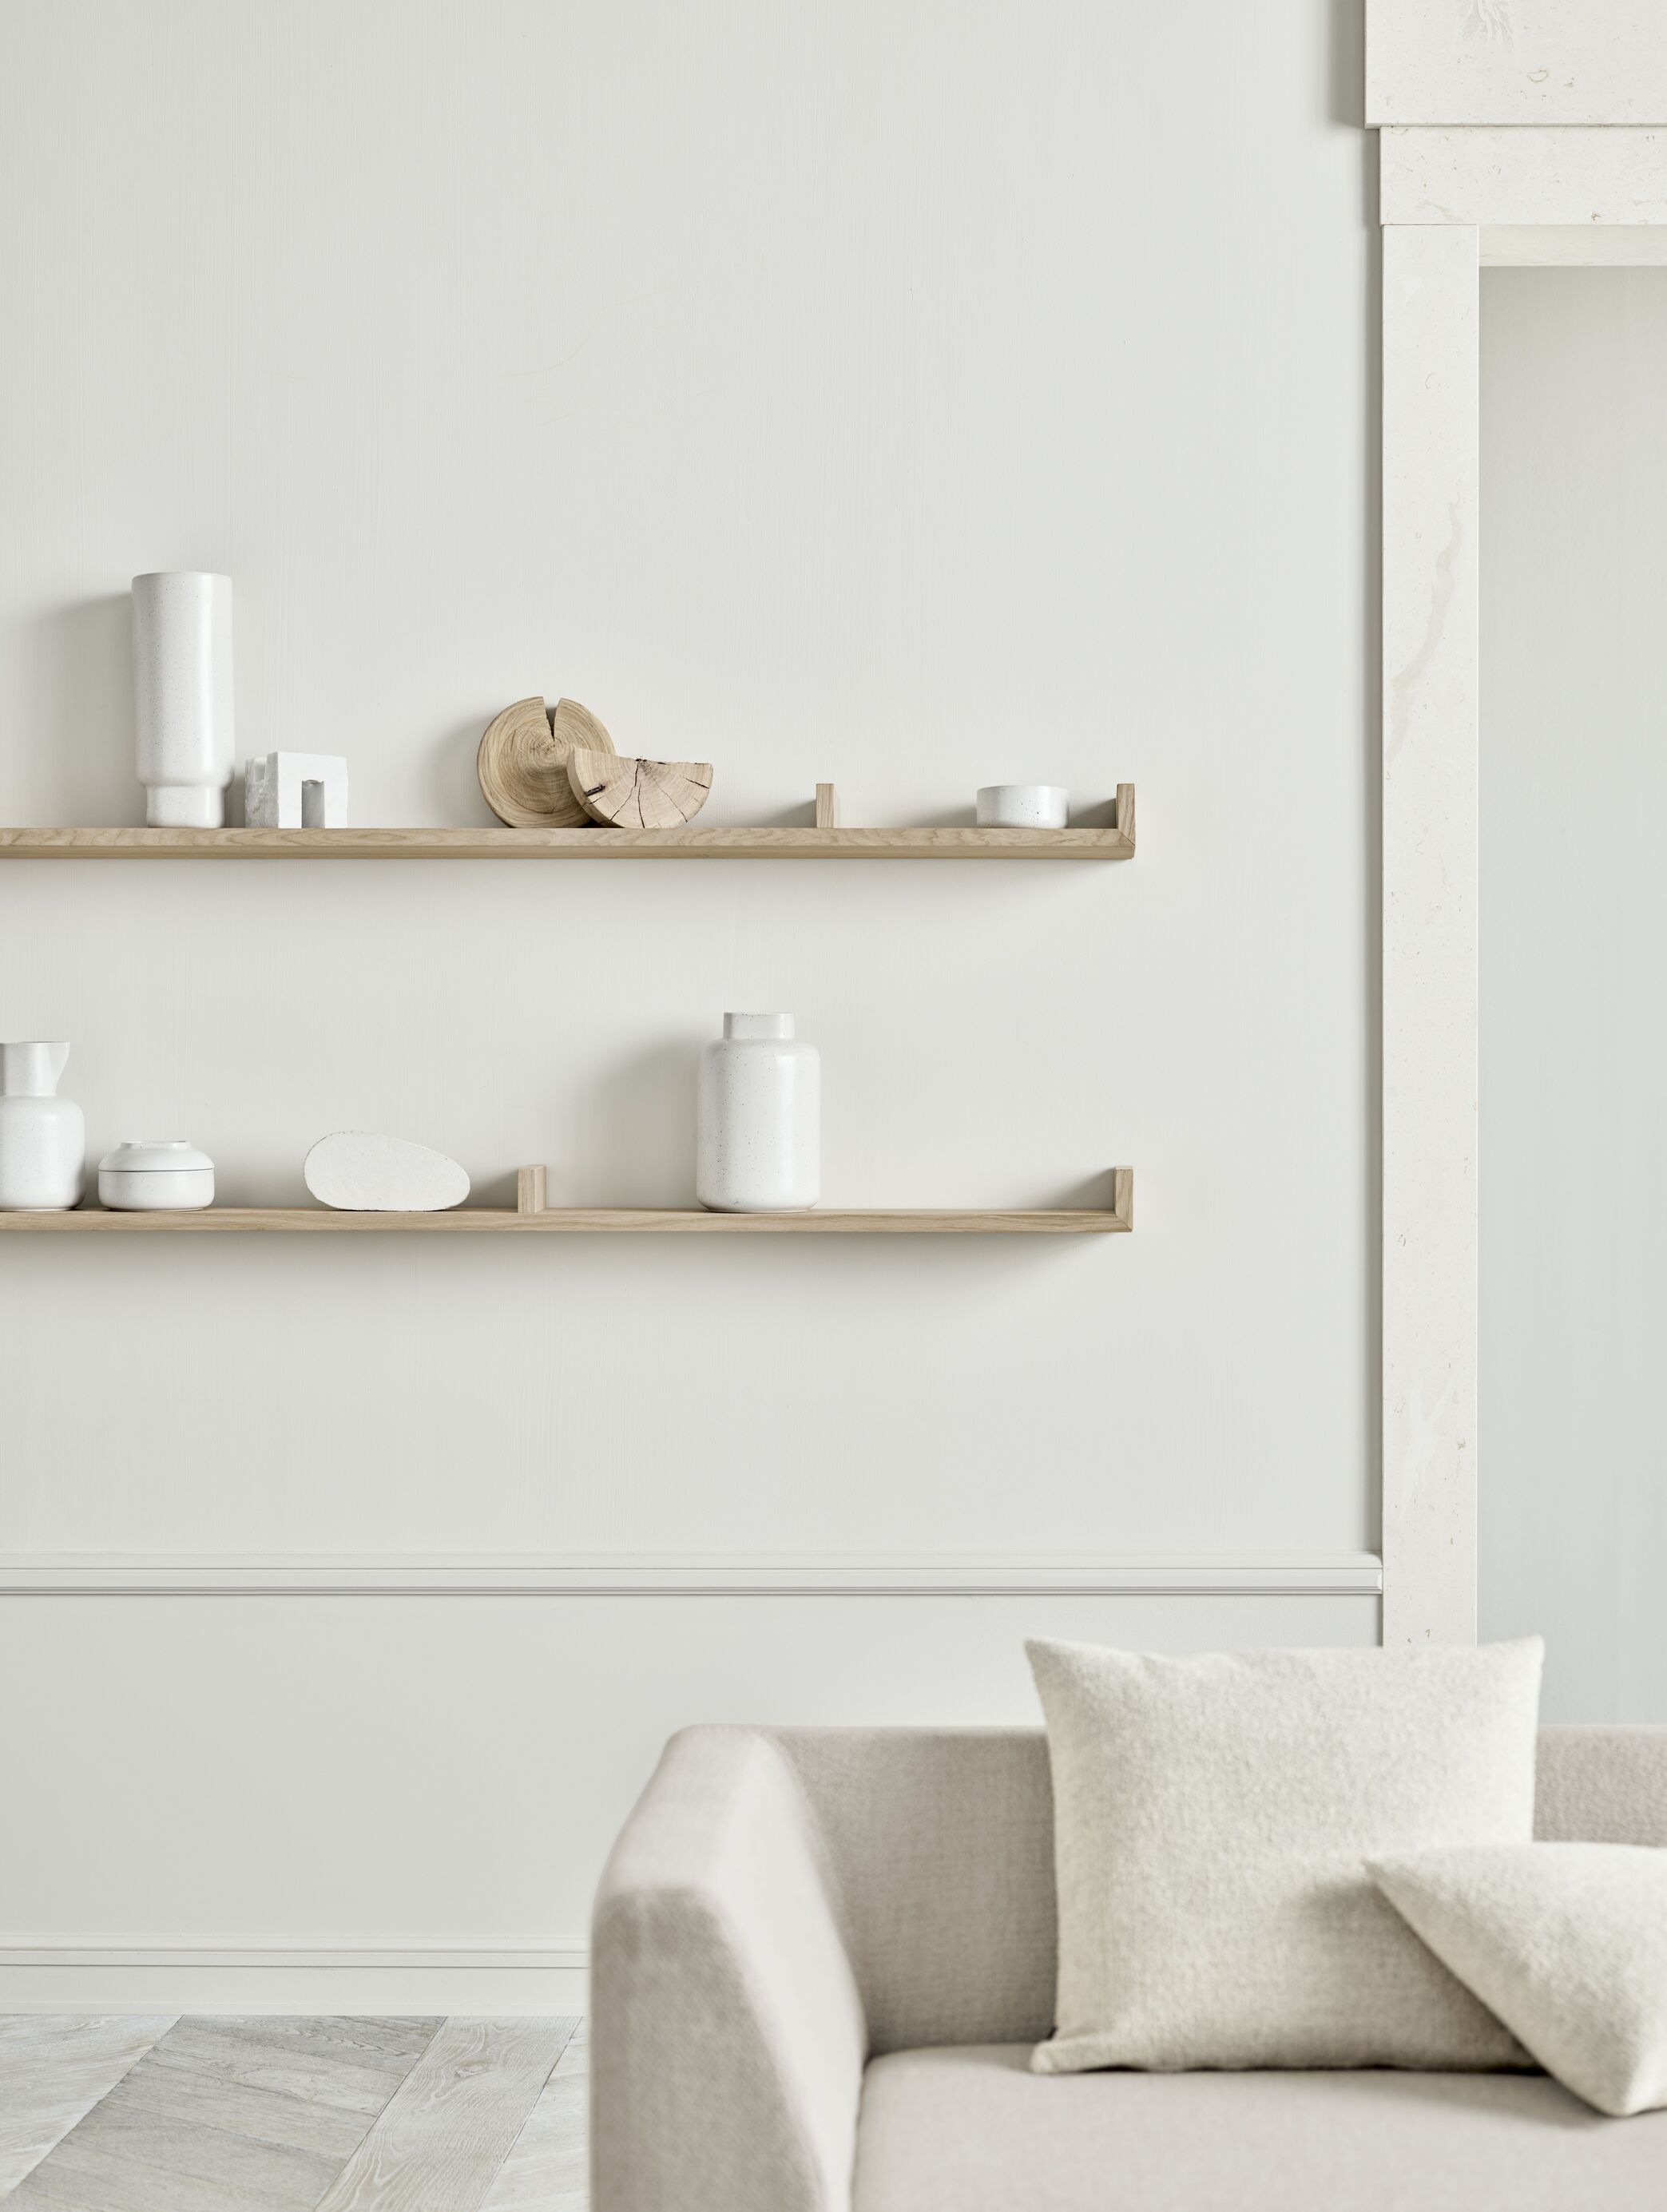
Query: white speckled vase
{"points": [[43, 1138], [182, 696], [758, 1119]]}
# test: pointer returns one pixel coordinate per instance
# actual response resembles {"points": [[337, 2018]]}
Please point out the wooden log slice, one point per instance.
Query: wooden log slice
{"points": [[522, 763], [639, 795]]}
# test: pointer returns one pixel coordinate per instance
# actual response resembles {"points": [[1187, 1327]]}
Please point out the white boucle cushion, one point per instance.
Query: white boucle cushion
{"points": [[1212, 1821], [1568, 1944]]}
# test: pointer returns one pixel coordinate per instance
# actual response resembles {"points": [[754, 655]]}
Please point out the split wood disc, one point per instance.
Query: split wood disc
{"points": [[522, 763], [639, 795]]}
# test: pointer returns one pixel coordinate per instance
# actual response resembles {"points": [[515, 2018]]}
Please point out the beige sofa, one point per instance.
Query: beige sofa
{"points": [[821, 1956]]}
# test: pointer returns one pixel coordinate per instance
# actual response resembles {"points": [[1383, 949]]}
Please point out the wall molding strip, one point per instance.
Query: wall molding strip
{"points": [[540, 1954], [24, 1574]]}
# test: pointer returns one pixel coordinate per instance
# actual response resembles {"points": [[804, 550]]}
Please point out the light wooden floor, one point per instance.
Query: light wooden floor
{"points": [[292, 2115]]}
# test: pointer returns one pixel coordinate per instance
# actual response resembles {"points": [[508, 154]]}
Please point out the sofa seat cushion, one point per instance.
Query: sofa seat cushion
{"points": [[973, 2129]]}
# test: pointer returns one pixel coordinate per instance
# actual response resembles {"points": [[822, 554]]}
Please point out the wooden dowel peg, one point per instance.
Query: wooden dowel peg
{"points": [[529, 1190], [1122, 1194], [827, 807]]}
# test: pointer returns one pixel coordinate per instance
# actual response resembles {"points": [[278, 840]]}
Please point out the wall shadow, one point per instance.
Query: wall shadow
{"points": [[631, 1136], [83, 690]]}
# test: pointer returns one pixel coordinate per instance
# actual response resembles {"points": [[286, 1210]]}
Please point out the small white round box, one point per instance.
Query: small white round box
{"points": [[149, 1178], [1024, 806]]}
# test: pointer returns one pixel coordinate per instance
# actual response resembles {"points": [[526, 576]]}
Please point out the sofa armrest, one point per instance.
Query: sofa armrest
{"points": [[727, 2036]]}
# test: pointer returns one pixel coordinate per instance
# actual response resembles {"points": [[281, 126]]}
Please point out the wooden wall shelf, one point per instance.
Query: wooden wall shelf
{"points": [[695, 843], [538, 1219]]}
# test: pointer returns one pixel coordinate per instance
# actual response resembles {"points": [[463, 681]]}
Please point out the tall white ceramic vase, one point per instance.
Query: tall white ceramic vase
{"points": [[182, 696], [759, 1118], [43, 1138]]}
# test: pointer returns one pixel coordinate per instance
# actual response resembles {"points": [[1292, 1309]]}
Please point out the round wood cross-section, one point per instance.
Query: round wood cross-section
{"points": [[522, 763]]}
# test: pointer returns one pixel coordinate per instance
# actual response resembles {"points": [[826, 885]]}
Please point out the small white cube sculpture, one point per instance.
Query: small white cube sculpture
{"points": [[295, 791]]}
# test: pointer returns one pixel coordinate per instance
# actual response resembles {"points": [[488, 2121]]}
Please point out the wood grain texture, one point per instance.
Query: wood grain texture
{"points": [[183, 2095], [231, 2113], [305, 2056], [742, 843], [522, 761], [453, 2120], [306, 1220], [639, 795], [548, 2168], [287, 2114], [120, 2159], [53, 2070], [827, 807], [530, 1190]]}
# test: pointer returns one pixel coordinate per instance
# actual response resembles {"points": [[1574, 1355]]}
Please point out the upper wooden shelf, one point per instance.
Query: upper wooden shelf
{"points": [[696, 842]]}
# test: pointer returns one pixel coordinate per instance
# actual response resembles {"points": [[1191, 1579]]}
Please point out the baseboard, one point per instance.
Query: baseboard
{"points": [[474, 1976], [97, 1574], [536, 1956]]}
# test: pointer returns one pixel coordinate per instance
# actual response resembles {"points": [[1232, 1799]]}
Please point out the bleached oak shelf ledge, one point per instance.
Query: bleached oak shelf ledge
{"points": [[697, 842], [531, 1219]]}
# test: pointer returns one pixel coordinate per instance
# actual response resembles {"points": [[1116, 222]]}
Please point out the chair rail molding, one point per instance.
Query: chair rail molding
{"points": [[535, 1954], [1454, 201], [24, 1574]]}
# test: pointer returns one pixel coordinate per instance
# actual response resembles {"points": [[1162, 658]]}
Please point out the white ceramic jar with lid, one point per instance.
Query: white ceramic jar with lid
{"points": [[141, 1176]]}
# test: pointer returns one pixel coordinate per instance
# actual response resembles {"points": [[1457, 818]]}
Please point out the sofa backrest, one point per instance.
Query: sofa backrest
{"points": [[940, 1845]]}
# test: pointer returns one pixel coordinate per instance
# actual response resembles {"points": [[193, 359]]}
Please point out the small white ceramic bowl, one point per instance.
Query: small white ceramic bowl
{"points": [[1024, 806], [140, 1177]]}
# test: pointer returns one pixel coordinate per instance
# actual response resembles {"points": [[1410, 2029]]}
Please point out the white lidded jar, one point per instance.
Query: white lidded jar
{"points": [[758, 1119], [182, 696], [43, 1138], [151, 1177]]}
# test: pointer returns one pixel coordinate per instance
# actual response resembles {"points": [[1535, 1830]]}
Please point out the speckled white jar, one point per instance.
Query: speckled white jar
{"points": [[1024, 806], [137, 1178], [758, 1119]]}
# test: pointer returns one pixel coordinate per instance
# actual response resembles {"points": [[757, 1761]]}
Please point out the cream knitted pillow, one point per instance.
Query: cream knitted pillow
{"points": [[1212, 1821], [1568, 1944]]}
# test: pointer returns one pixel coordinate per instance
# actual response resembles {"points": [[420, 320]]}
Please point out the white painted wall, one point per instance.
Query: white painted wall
{"points": [[1574, 1429], [914, 396]]}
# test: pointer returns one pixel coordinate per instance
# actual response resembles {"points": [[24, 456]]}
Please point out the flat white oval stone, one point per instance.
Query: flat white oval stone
{"points": [[358, 1172]]}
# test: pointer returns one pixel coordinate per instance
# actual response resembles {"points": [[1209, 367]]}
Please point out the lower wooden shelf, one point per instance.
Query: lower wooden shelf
{"points": [[541, 1220]]}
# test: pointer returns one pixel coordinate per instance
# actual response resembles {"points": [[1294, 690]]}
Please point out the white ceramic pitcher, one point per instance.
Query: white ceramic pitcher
{"points": [[43, 1137]]}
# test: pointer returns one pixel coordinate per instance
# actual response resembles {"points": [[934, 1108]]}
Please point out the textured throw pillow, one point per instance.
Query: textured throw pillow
{"points": [[1212, 1821], [1568, 1944]]}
